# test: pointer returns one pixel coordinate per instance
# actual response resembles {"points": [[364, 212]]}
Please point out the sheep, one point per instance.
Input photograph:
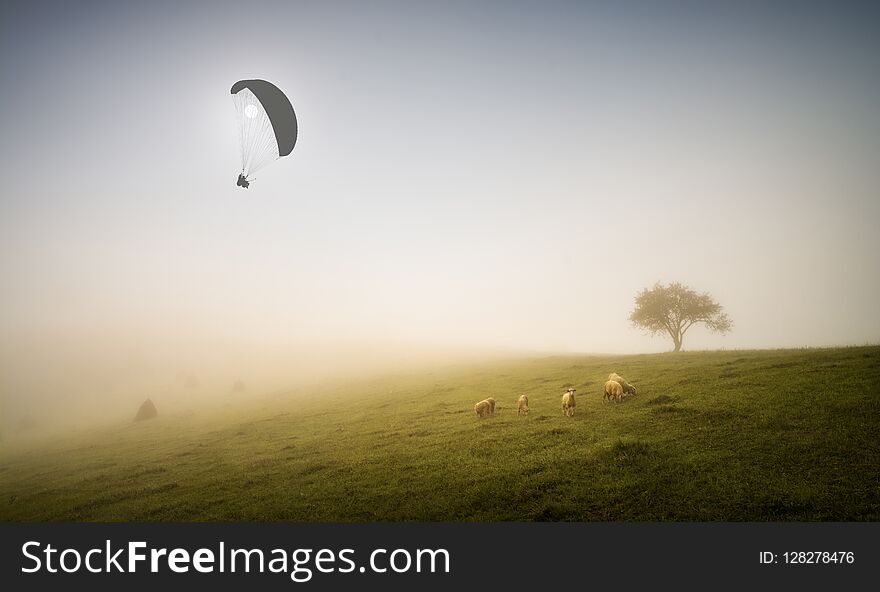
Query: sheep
{"points": [[614, 390], [627, 387], [568, 403], [483, 408], [491, 402], [522, 405]]}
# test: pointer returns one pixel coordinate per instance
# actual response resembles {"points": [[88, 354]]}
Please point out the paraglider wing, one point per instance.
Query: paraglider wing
{"points": [[266, 121]]}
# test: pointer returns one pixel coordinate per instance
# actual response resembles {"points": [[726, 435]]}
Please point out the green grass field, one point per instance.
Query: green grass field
{"points": [[741, 435]]}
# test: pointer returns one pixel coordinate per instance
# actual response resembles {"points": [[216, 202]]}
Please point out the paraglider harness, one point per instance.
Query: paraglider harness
{"points": [[243, 181]]}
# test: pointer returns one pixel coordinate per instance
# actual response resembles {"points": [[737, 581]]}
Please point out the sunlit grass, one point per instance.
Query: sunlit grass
{"points": [[741, 435]]}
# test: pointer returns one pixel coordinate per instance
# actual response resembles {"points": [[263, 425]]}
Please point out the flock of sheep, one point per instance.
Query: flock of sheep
{"points": [[616, 389]]}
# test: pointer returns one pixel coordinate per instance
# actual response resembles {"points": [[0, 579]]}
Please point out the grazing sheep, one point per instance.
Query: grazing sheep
{"points": [[568, 403], [613, 389], [627, 387], [483, 408], [522, 405], [491, 402]]}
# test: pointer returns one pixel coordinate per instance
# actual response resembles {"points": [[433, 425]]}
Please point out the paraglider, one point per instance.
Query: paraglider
{"points": [[267, 126]]}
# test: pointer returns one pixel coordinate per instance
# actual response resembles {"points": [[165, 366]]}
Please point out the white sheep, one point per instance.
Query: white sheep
{"points": [[483, 408], [627, 387], [568, 403], [491, 402], [613, 390], [522, 405]]}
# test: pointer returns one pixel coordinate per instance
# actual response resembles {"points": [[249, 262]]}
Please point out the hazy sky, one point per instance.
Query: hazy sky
{"points": [[474, 173]]}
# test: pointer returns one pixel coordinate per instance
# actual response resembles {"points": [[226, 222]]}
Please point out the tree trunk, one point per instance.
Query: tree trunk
{"points": [[676, 339]]}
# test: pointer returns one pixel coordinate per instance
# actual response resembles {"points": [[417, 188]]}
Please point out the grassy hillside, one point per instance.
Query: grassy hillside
{"points": [[758, 435]]}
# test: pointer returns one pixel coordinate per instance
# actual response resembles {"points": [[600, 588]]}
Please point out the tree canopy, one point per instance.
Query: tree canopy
{"points": [[675, 308]]}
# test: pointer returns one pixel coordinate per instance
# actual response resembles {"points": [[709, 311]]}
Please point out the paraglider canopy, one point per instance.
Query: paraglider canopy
{"points": [[266, 121]]}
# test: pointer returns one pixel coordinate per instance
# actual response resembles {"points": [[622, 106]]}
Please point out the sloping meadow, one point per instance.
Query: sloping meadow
{"points": [[738, 435]]}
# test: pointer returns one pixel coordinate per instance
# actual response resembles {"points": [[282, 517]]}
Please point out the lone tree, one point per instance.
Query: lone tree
{"points": [[676, 308]]}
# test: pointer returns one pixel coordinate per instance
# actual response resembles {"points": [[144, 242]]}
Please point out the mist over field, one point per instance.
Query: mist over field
{"points": [[470, 182], [70, 385]]}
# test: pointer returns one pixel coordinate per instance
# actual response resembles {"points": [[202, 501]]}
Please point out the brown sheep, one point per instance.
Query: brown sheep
{"points": [[568, 403], [627, 387], [522, 405], [482, 409], [614, 390]]}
